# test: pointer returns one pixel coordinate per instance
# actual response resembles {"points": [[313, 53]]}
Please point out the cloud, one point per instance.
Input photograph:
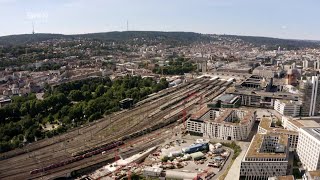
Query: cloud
{"points": [[284, 27]]}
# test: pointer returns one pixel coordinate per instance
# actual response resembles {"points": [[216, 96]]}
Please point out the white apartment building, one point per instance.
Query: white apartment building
{"points": [[267, 156], [287, 107], [225, 124], [308, 148]]}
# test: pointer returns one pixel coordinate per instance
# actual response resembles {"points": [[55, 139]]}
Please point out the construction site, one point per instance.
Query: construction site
{"points": [[177, 158], [137, 130]]}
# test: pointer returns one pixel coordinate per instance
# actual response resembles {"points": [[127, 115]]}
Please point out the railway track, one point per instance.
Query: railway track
{"points": [[95, 134]]}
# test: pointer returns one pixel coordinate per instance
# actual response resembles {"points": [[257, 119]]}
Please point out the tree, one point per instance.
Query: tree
{"points": [[76, 95], [100, 90], [279, 123]]}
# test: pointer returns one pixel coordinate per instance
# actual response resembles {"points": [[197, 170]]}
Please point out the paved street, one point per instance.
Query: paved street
{"points": [[233, 173]]}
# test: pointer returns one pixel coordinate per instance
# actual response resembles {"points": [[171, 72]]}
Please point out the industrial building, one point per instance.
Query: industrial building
{"points": [[310, 96], [287, 107], [308, 148], [267, 156], [225, 124]]}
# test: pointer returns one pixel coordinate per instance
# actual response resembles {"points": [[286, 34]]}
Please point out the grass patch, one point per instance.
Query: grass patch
{"points": [[236, 148]]}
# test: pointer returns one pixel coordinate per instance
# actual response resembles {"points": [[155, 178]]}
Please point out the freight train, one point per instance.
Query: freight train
{"points": [[80, 156]]}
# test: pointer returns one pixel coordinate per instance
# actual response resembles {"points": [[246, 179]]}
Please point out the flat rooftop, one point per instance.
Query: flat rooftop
{"points": [[228, 111], [313, 131], [314, 174], [289, 177], [256, 143], [265, 123], [200, 113], [281, 95], [308, 123], [229, 98]]}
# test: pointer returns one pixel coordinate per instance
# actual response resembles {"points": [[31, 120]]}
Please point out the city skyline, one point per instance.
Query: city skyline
{"points": [[285, 19]]}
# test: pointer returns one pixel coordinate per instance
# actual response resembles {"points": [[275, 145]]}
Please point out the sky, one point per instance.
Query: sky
{"points": [[290, 19]]}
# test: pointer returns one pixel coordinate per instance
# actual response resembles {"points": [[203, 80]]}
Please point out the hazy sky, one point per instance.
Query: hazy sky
{"points": [[298, 19]]}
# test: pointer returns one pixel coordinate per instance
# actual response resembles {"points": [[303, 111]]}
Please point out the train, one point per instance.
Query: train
{"points": [[80, 156]]}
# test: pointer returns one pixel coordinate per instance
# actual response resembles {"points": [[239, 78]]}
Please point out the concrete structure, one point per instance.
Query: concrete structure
{"points": [[267, 72], [287, 107], [152, 171], [226, 101], [308, 148], [266, 126], [258, 98], [295, 124], [289, 177], [311, 175], [267, 156], [226, 124], [310, 97]]}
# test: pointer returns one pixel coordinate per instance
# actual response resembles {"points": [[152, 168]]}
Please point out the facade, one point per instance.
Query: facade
{"points": [[308, 148], [310, 96], [225, 124], [287, 107], [267, 156]]}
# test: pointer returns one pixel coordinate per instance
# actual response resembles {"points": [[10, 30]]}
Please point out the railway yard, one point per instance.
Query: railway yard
{"points": [[126, 132]]}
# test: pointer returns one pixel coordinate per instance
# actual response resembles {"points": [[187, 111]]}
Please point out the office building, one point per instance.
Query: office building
{"points": [[308, 148], [267, 156], [267, 126], [287, 107], [310, 96]]}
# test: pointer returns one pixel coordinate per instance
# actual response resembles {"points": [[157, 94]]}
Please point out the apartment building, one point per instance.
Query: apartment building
{"points": [[225, 124]]}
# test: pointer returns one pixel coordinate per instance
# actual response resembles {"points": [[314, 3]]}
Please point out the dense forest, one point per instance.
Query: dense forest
{"points": [[173, 38], [68, 105], [177, 66]]}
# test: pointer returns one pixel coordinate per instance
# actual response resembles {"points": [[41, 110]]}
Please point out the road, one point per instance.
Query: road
{"points": [[234, 171]]}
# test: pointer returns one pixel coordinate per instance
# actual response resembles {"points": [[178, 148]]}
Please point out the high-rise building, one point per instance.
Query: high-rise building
{"points": [[308, 148], [310, 97], [317, 64]]}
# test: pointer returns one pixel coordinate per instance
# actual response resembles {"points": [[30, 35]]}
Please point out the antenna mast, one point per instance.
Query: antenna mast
{"points": [[33, 28], [127, 25]]}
